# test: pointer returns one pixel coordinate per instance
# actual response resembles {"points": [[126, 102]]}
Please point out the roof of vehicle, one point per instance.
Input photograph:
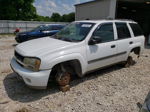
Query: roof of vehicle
{"points": [[107, 20]]}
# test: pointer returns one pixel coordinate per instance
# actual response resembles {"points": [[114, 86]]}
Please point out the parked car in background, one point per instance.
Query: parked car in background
{"points": [[38, 32]]}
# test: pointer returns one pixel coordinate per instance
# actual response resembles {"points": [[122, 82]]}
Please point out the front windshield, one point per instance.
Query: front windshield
{"points": [[42, 28], [74, 32], [38, 28]]}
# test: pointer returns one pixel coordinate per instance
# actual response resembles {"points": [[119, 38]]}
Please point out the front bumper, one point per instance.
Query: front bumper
{"points": [[17, 39], [21, 39], [36, 80]]}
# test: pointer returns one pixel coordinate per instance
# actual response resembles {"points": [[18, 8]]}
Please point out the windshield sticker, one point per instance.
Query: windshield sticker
{"points": [[86, 25]]}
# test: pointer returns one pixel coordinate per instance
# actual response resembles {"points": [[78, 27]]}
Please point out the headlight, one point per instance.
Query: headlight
{"points": [[32, 63]]}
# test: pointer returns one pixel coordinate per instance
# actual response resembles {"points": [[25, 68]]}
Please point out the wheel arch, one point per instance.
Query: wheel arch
{"points": [[76, 61], [136, 50], [74, 64]]}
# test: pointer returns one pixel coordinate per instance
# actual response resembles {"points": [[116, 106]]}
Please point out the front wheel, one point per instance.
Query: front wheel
{"points": [[63, 78]]}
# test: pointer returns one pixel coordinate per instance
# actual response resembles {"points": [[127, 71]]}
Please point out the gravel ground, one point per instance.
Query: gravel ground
{"points": [[113, 89]]}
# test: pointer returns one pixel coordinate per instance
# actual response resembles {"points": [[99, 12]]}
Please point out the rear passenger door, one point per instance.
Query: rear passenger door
{"points": [[123, 40]]}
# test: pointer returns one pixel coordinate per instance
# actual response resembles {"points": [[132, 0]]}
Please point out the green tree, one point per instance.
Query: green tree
{"points": [[64, 18], [71, 17], [56, 17], [17, 10], [42, 18], [68, 17]]}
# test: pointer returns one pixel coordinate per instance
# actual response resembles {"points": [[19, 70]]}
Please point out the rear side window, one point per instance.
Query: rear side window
{"points": [[123, 31], [136, 29]]}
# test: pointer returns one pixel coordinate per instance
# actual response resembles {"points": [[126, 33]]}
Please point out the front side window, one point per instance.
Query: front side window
{"points": [[74, 32], [123, 31], [105, 32], [136, 29]]}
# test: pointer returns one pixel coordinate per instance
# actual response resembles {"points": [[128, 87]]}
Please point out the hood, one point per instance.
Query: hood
{"points": [[39, 47], [28, 33]]}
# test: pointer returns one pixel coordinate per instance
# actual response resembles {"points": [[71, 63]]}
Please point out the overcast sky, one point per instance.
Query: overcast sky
{"points": [[47, 7]]}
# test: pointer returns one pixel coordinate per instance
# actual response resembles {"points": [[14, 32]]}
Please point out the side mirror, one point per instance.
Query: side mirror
{"points": [[95, 40]]}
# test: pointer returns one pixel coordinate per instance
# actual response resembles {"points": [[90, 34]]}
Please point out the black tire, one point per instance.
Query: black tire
{"points": [[63, 77], [129, 62]]}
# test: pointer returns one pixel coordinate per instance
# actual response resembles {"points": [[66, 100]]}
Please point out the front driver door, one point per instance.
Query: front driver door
{"points": [[102, 53]]}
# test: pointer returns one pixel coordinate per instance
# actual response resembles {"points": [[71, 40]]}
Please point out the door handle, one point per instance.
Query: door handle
{"points": [[113, 46], [131, 42]]}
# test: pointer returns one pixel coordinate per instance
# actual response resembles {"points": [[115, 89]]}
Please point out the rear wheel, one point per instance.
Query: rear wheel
{"points": [[129, 62], [132, 59]]}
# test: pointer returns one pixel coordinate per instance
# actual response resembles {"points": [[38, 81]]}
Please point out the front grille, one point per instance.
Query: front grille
{"points": [[19, 57]]}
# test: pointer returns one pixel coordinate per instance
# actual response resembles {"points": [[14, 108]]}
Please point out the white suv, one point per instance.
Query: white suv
{"points": [[80, 47]]}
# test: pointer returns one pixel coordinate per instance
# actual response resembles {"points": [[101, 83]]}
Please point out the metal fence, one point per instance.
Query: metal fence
{"points": [[9, 26]]}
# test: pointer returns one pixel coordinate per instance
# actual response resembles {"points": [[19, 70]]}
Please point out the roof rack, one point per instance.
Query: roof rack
{"points": [[109, 18], [125, 19]]}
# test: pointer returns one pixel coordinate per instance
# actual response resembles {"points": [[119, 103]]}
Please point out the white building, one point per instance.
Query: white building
{"points": [[98, 9], [137, 10]]}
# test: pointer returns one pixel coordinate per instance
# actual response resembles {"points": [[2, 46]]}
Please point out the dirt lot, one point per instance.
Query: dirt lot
{"points": [[114, 89]]}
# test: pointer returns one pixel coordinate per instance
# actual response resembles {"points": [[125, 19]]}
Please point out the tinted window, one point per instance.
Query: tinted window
{"points": [[122, 30], [56, 27], [136, 29], [60, 27], [46, 28], [38, 28], [105, 32], [49, 28]]}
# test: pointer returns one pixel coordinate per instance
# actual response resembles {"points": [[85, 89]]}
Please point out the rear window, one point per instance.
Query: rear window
{"points": [[136, 29]]}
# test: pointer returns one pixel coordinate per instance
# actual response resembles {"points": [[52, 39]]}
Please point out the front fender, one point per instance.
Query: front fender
{"points": [[75, 56]]}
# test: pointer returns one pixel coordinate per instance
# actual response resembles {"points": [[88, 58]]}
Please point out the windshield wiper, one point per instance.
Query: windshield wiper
{"points": [[54, 36], [65, 39]]}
